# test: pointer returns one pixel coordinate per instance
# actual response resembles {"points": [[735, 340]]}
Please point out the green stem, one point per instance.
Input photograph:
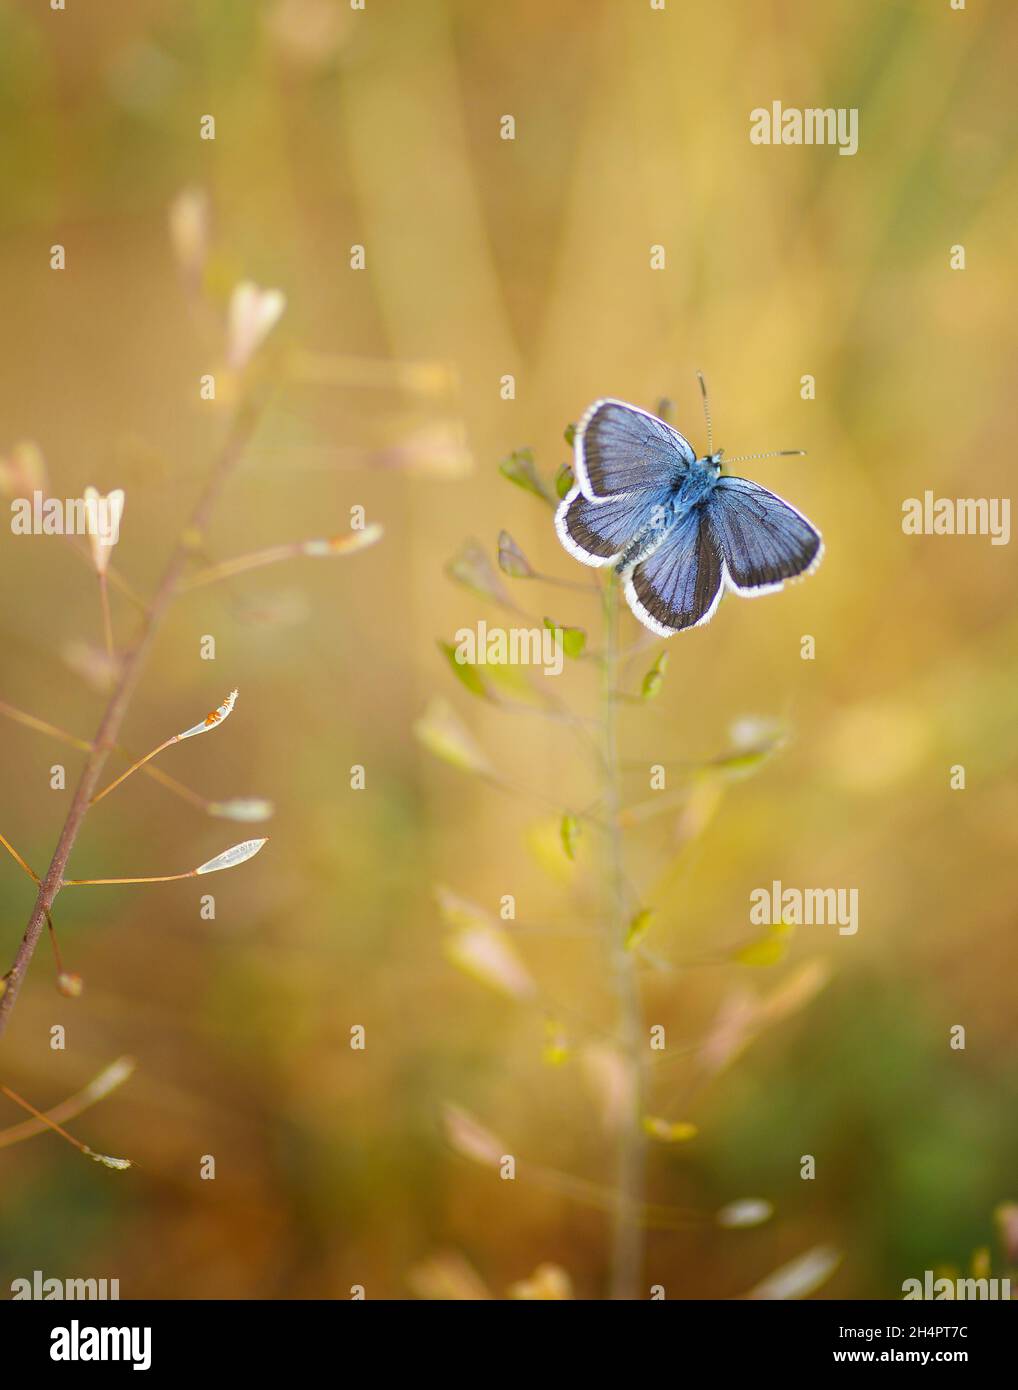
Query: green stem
{"points": [[627, 1233]]}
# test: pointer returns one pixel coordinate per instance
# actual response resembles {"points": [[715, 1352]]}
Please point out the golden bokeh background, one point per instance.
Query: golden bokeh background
{"points": [[486, 257]]}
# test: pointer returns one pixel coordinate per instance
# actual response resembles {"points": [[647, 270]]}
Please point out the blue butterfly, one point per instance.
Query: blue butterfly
{"points": [[676, 529]]}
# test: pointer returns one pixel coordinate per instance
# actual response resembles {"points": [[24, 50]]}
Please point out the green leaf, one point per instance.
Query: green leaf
{"points": [[519, 469], [652, 680], [465, 671], [570, 832], [569, 435], [638, 928], [573, 639], [735, 765], [511, 559], [564, 480]]}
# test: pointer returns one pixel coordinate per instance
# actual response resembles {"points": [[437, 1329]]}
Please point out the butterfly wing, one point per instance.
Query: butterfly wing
{"points": [[619, 448], [762, 539], [679, 585], [596, 533]]}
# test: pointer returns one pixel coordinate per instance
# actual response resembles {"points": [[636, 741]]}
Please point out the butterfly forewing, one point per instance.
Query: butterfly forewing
{"points": [[620, 449], [762, 539], [679, 585]]}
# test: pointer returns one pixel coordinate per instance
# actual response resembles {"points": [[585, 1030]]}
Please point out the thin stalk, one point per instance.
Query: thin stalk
{"points": [[133, 768], [178, 788], [158, 878], [15, 855], [42, 727], [43, 1119], [52, 1124], [54, 944], [630, 1180], [120, 699], [104, 599], [108, 1080], [227, 569]]}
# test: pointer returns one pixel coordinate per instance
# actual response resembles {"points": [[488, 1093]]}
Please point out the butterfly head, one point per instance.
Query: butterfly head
{"points": [[712, 464]]}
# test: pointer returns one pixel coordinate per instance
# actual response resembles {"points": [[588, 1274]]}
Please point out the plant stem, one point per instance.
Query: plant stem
{"points": [[44, 1119], [104, 598], [16, 856], [627, 1233], [133, 768], [130, 673], [158, 878]]}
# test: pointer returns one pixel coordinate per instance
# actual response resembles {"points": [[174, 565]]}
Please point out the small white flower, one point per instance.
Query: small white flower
{"points": [[252, 315], [342, 545], [102, 523], [214, 719]]}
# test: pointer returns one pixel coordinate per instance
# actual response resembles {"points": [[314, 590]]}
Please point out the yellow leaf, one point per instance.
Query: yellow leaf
{"points": [[544, 840], [668, 1131], [556, 1046], [638, 928], [570, 832], [770, 951]]}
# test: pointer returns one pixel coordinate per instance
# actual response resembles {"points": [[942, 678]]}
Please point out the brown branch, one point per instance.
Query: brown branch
{"points": [[109, 726]]}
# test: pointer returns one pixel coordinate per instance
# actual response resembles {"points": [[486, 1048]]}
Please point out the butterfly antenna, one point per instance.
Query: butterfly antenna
{"points": [[769, 454], [706, 412]]}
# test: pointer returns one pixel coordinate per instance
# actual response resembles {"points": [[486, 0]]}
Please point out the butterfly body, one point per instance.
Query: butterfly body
{"points": [[672, 524], [690, 489]]}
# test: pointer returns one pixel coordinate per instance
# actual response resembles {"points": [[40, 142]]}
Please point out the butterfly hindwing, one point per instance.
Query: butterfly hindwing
{"points": [[762, 539], [596, 533], [680, 584], [619, 449]]}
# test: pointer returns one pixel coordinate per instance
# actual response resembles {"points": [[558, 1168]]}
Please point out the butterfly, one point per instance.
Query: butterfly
{"points": [[678, 530]]}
